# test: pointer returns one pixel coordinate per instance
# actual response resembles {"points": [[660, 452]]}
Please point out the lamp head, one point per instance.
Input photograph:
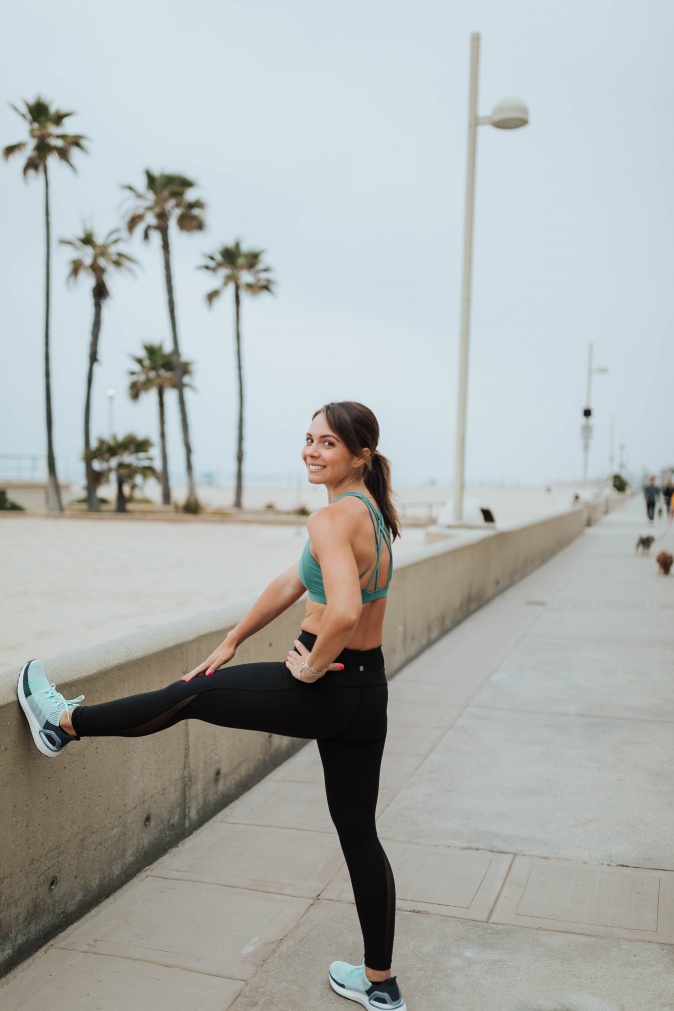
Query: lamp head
{"points": [[509, 114]]}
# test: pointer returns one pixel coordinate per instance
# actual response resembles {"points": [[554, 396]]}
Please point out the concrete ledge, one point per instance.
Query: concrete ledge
{"points": [[74, 830], [31, 494]]}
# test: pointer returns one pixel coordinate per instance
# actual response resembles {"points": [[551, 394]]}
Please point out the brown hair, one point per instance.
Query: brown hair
{"points": [[358, 429]]}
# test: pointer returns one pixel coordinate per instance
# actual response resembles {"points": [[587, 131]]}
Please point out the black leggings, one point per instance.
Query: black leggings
{"points": [[345, 712]]}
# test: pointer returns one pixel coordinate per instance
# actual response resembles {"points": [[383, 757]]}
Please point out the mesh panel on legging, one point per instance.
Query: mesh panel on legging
{"points": [[136, 716], [350, 726]]}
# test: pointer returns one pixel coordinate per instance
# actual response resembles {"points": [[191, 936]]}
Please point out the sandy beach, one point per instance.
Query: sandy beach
{"points": [[77, 581]]}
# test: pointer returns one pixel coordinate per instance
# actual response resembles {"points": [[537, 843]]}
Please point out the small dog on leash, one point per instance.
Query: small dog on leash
{"points": [[644, 544], [664, 560]]}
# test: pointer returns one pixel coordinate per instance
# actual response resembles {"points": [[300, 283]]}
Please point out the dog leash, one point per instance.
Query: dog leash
{"points": [[669, 523]]}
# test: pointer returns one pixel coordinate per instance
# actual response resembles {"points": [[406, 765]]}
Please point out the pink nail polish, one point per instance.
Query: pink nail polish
{"points": [[341, 666]]}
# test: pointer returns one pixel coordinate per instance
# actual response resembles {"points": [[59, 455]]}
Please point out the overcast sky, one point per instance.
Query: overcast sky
{"points": [[333, 135]]}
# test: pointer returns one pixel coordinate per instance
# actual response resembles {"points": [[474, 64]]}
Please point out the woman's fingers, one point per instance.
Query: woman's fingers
{"points": [[295, 660], [196, 672], [218, 658], [203, 668]]}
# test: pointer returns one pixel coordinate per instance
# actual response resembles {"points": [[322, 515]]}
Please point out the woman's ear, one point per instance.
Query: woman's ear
{"points": [[360, 461]]}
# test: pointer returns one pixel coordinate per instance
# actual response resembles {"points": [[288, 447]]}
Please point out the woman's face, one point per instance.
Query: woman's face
{"points": [[327, 459]]}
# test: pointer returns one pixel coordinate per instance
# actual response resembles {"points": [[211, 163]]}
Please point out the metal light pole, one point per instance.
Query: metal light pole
{"points": [[508, 114], [586, 430], [111, 404]]}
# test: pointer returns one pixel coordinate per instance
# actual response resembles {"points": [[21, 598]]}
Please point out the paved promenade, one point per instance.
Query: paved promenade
{"points": [[526, 805]]}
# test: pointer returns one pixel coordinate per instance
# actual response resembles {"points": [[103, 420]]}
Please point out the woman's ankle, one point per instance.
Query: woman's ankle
{"points": [[377, 975], [65, 723]]}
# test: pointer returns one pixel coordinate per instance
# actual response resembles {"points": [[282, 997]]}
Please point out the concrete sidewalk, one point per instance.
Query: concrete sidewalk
{"points": [[526, 806]]}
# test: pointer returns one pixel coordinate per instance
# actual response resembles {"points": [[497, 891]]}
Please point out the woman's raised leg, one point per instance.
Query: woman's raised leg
{"points": [[262, 696]]}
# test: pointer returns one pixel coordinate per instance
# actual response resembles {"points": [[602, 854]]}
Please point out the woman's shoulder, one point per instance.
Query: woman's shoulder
{"points": [[344, 512]]}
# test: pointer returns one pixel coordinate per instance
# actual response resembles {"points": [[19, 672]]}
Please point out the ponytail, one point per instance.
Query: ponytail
{"points": [[377, 479]]}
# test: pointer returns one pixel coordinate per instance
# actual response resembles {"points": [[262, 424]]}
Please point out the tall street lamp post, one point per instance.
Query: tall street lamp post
{"points": [[111, 408], [586, 430], [508, 114]]}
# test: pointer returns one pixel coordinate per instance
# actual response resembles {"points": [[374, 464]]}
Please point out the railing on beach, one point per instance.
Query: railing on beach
{"points": [[419, 512], [22, 465]]}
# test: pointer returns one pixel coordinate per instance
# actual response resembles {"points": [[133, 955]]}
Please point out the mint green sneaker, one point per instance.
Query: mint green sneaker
{"points": [[44, 707], [351, 982]]}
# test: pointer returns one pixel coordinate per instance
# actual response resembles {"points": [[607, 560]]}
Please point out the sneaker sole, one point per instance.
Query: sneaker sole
{"points": [[361, 998], [35, 728]]}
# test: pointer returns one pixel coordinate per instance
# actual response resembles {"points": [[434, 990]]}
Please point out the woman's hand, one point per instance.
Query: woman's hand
{"points": [[222, 655], [296, 658]]}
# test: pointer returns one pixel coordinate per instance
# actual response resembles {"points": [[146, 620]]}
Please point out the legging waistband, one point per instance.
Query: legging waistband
{"points": [[363, 668]]}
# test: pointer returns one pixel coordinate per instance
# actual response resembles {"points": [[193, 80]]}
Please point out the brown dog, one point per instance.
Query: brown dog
{"points": [[664, 560]]}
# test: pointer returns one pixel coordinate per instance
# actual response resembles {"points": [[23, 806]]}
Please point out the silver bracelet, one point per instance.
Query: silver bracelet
{"points": [[316, 673]]}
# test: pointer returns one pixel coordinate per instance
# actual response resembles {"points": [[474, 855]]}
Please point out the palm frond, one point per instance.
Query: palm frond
{"points": [[134, 220], [12, 149], [190, 221], [76, 268], [241, 267], [33, 164], [44, 126], [96, 258], [20, 112]]}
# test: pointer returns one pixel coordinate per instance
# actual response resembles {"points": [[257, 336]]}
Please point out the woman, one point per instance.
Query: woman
{"points": [[331, 687]]}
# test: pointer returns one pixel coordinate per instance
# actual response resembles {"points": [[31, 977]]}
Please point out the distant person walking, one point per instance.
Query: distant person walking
{"points": [[651, 495], [667, 493], [331, 687]]}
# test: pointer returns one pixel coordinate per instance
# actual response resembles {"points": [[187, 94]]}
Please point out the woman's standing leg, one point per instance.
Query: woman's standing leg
{"points": [[352, 787]]}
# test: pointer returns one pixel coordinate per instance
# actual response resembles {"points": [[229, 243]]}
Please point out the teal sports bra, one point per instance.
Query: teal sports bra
{"points": [[310, 571]]}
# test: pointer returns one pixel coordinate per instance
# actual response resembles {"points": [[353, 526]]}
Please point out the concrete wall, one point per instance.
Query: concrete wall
{"points": [[31, 494], [74, 829]]}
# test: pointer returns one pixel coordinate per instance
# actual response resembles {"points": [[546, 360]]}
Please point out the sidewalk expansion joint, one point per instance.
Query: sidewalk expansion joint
{"points": [[583, 716], [146, 961], [179, 876]]}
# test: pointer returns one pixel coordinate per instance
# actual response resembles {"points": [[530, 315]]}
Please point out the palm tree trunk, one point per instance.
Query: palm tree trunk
{"points": [[165, 488], [120, 506], [92, 497], [54, 504], [239, 442], [177, 364]]}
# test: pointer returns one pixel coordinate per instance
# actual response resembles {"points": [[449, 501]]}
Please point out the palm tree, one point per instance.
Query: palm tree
{"points": [[156, 371], [95, 259], [127, 458], [164, 198], [48, 141], [245, 271]]}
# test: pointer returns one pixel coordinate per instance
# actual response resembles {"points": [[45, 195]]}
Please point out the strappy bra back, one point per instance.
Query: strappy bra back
{"points": [[310, 571]]}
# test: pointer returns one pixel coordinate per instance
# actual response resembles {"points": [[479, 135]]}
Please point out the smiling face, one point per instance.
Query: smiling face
{"points": [[327, 459]]}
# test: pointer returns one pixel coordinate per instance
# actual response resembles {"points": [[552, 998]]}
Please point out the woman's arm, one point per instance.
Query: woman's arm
{"points": [[332, 532], [281, 593]]}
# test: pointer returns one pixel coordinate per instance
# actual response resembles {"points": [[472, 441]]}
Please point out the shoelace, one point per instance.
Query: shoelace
{"points": [[59, 704]]}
